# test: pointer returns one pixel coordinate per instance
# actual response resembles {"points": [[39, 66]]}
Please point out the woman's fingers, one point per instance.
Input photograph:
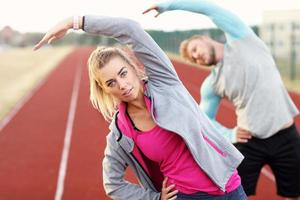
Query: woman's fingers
{"points": [[165, 182], [43, 41], [52, 39], [173, 198], [170, 187], [56, 32], [49, 38], [166, 192], [173, 193], [57, 36], [38, 45]]}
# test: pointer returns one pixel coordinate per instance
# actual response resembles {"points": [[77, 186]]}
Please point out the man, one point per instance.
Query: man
{"points": [[246, 74]]}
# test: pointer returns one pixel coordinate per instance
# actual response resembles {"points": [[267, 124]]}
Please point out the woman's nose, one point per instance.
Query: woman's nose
{"points": [[122, 84]]}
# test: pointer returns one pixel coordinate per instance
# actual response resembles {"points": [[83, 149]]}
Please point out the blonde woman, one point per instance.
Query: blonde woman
{"points": [[156, 126]]}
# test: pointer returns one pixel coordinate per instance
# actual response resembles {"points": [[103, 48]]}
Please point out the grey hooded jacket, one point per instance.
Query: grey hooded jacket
{"points": [[175, 110]]}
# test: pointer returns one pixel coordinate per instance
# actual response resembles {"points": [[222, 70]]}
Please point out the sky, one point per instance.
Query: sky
{"points": [[40, 15]]}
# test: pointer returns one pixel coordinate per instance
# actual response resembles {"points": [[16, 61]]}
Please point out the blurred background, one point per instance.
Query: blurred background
{"points": [[23, 72], [276, 22]]}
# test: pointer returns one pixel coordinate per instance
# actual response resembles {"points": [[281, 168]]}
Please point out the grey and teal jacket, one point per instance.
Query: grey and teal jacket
{"points": [[175, 110], [247, 76]]}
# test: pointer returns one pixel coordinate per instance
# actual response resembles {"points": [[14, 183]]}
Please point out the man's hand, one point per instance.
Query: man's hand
{"points": [[154, 7], [242, 135]]}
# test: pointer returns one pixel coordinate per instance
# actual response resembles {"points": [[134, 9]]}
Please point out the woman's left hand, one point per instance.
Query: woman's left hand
{"points": [[56, 32]]}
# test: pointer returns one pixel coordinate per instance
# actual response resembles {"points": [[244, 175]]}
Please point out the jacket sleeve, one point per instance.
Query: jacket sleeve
{"points": [[158, 67], [115, 186], [231, 24], [209, 104]]}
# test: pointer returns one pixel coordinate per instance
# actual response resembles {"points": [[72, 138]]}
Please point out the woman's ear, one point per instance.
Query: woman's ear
{"points": [[140, 73]]}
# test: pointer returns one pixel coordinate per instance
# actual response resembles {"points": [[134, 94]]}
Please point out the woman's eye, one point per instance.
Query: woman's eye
{"points": [[123, 74], [111, 84]]}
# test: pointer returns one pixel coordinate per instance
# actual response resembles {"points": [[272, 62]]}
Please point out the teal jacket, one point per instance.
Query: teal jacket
{"points": [[234, 29], [247, 75]]}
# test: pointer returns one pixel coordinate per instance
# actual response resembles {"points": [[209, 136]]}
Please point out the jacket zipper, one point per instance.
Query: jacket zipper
{"points": [[132, 155]]}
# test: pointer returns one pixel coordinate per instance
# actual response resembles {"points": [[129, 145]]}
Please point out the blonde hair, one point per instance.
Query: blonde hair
{"points": [[184, 44], [102, 101]]}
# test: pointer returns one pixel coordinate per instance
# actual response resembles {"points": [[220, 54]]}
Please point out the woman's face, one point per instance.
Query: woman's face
{"points": [[120, 80]]}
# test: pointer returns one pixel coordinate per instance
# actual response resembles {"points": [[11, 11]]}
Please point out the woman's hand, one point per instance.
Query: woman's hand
{"points": [[166, 192], [56, 32], [242, 135], [154, 7]]}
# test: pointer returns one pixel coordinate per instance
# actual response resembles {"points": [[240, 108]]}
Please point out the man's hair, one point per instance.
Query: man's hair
{"points": [[184, 44]]}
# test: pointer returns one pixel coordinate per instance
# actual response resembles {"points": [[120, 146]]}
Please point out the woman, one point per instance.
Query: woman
{"points": [[156, 126]]}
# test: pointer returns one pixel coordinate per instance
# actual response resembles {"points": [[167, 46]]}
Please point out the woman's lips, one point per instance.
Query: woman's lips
{"points": [[127, 93]]}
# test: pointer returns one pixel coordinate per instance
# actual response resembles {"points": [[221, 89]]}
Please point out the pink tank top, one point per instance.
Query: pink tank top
{"points": [[176, 162]]}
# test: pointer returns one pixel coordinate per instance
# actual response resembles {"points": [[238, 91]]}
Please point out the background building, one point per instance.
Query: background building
{"points": [[281, 32]]}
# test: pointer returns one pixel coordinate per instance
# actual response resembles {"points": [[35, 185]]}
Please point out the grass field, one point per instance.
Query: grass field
{"points": [[21, 69]]}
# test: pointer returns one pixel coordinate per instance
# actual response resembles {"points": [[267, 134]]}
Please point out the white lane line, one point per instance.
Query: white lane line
{"points": [[268, 174], [68, 136]]}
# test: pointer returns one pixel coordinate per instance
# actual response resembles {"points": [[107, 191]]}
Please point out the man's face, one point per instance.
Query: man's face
{"points": [[201, 52]]}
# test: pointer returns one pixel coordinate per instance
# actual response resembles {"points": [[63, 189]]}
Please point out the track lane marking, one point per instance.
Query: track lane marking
{"points": [[68, 136]]}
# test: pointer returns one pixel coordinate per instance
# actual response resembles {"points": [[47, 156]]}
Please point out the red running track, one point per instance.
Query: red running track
{"points": [[33, 139]]}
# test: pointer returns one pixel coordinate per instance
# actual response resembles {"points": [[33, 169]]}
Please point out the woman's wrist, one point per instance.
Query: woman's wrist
{"points": [[76, 22]]}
